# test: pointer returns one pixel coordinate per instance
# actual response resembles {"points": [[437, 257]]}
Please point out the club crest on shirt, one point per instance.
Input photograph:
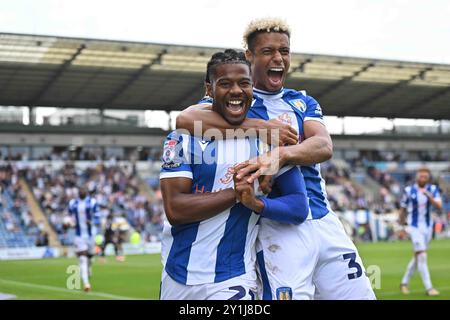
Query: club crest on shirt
{"points": [[284, 293], [299, 104]]}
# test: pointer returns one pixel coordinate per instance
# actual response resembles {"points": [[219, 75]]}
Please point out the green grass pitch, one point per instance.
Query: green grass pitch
{"points": [[139, 276]]}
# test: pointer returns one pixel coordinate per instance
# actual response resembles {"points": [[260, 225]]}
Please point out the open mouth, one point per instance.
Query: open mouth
{"points": [[275, 76], [235, 106]]}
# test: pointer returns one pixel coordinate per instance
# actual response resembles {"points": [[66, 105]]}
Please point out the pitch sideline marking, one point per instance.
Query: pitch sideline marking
{"points": [[52, 288]]}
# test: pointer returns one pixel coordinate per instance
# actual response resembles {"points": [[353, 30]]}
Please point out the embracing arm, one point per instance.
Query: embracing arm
{"points": [[182, 206], [316, 148], [209, 119]]}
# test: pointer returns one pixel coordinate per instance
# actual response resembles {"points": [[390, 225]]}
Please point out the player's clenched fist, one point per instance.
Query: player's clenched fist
{"points": [[281, 134]]}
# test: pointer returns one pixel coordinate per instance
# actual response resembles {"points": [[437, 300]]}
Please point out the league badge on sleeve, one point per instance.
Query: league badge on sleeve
{"points": [[169, 154], [169, 151]]}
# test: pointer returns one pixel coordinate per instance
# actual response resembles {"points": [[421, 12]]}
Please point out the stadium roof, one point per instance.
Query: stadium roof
{"points": [[87, 73]]}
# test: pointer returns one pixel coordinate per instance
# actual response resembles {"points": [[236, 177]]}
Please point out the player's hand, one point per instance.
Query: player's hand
{"points": [[265, 165], [401, 218], [427, 194], [265, 184], [245, 193], [281, 134]]}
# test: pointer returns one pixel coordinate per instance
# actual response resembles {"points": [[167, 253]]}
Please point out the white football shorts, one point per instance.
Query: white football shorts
{"points": [[313, 260]]}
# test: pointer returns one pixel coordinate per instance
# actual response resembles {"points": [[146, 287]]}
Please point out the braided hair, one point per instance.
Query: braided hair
{"points": [[229, 56]]}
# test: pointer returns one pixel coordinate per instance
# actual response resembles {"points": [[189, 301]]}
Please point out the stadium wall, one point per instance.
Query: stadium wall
{"points": [[29, 253], [361, 142]]}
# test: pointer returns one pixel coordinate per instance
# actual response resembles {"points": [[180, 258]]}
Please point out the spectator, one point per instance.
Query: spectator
{"points": [[42, 240]]}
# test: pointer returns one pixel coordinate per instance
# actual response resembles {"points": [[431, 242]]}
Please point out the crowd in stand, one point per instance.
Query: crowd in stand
{"points": [[114, 188], [390, 189], [154, 153], [366, 156], [117, 193], [355, 204], [85, 154], [14, 211], [343, 194]]}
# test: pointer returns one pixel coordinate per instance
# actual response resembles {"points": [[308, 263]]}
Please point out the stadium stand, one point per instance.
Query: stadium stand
{"points": [[376, 208], [115, 188], [101, 74], [17, 228], [102, 89]]}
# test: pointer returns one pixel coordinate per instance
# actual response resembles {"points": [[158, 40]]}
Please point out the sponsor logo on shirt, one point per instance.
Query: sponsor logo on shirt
{"points": [[203, 145], [318, 110], [228, 177], [285, 118]]}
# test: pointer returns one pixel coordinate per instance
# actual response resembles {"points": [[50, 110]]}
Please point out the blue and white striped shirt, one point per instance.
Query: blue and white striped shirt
{"points": [[85, 212], [221, 247], [418, 205], [294, 108]]}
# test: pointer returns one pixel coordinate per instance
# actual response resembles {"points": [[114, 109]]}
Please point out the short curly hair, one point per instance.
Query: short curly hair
{"points": [[227, 56], [257, 26]]}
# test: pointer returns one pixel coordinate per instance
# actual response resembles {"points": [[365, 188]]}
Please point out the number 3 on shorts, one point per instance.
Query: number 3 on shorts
{"points": [[353, 264]]}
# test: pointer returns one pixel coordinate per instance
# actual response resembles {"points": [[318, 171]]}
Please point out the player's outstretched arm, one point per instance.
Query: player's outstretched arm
{"points": [[276, 131], [290, 205], [316, 148], [182, 206]]}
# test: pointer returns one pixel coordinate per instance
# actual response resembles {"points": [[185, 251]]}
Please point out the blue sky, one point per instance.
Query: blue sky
{"points": [[390, 29]]}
